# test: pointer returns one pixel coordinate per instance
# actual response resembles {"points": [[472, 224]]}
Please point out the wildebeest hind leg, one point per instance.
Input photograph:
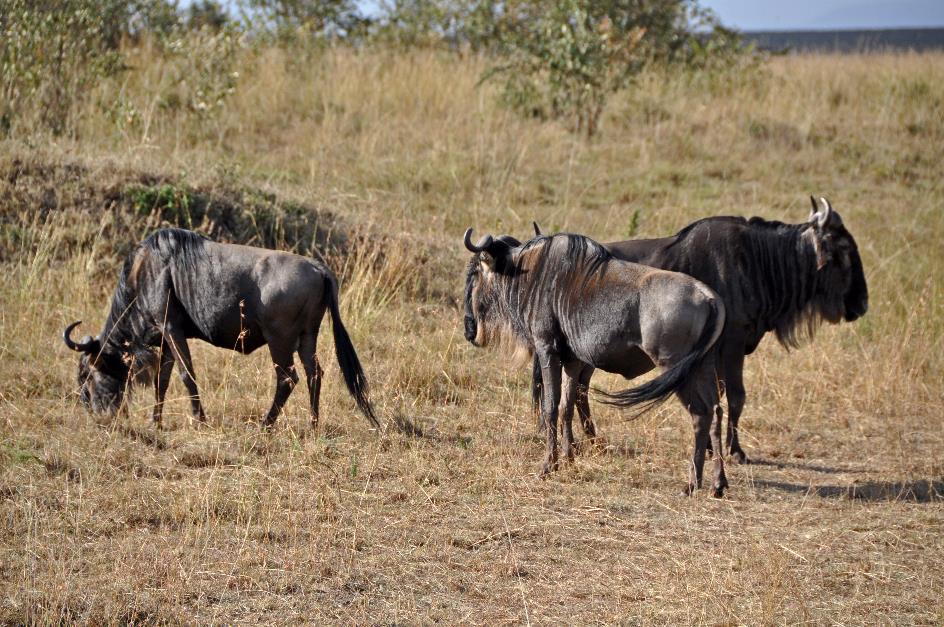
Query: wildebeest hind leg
{"points": [[720, 481], [583, 403], [551, 388], [285, 379], [700, 396], [308, 352]]}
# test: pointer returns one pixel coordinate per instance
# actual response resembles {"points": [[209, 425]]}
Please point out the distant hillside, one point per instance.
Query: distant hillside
{"points": [[849, 40]]}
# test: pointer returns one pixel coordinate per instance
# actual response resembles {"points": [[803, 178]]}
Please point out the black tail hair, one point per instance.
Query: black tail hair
{"points": [[662, 387], [347, 357]]}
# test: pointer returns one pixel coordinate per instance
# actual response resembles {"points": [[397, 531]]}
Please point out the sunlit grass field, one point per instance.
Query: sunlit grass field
{"points": [[388, 157]]}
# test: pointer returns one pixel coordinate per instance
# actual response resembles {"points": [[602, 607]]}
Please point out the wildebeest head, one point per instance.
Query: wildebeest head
{"points": [[841, 289], [102, 377], [491, 259]]}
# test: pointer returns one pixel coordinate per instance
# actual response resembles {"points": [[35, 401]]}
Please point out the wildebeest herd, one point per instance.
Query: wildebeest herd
{"points": [[693, 304]]}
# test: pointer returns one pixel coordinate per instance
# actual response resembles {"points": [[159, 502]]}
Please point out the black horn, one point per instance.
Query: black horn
{"points": [[484, 243], [537, 229], [84, 345]]}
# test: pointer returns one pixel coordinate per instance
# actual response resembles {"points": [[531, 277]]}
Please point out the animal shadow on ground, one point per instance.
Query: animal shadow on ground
{"points": [[831, 470], [919, 491]]}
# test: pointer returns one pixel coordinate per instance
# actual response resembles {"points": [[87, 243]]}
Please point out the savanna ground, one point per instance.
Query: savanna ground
{"points": [[838, 521]]}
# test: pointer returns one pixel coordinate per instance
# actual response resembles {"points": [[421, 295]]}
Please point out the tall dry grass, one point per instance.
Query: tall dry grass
{"points": [[839, 521]]}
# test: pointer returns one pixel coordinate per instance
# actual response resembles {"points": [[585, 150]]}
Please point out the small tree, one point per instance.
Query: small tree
{"points": [[563, 58], [321, 18]]}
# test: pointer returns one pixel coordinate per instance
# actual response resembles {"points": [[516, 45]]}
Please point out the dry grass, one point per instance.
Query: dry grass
{"points": [[840, 520]]}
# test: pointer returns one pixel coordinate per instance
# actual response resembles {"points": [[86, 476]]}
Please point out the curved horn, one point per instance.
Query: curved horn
{"points": [[484, 243], [83, 346], [825, 213], [815, 208], [537, 229], [66, 336]]}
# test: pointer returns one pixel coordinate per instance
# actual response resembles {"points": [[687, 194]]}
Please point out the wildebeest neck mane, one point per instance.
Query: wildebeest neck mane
{"points": [[774, 266], [544, 274], [129, 336]]}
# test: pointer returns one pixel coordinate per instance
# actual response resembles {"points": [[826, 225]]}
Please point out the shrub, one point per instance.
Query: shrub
{"points": [[51, 53], [563, 58]]}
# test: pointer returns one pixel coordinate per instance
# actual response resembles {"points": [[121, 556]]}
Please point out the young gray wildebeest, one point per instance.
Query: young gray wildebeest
{"points": [[178, 285], [777, 277], [569, 302]]}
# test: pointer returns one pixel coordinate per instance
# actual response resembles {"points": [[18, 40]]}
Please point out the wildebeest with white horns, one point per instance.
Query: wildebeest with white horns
{"points": [[570, 303], [178, 285], [772, 277]]}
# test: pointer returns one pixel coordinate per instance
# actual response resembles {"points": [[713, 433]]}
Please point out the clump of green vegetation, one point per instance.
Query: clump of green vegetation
{"points": [[166, 201]]}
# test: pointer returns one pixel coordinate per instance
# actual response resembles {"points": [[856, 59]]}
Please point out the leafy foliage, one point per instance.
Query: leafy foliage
{"points": [[52, 52], [562, 59]]}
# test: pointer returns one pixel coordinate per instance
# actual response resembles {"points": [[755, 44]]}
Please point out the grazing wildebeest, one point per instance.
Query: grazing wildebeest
{"points": [[177, 285], [569, 302], [777, 277]]}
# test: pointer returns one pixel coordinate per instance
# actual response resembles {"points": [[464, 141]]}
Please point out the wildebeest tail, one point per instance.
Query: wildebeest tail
{"points": [[351, 368], [662, 387]]}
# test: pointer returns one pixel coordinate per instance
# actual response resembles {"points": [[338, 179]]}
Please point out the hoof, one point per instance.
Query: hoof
{"points": [[688, 490], [717, 492], [547, 469], [738, 457]]}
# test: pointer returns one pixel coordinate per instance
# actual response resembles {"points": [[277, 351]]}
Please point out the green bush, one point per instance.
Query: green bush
{"points": [[563, 58], [51, 53]]}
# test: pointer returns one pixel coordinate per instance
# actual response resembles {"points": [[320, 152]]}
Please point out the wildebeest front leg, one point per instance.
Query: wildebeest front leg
{"points": [[568, 398], [285, 380], [307, 351], [178, 345], [736, 395], [551, 389], [165, 368]]}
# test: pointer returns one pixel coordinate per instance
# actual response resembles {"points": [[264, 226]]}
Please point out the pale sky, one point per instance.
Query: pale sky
{"points": [[808, 14], [827, 14]]}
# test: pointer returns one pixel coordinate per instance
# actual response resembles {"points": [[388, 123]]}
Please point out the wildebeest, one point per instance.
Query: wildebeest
{"points": [[569, 302], [777, 277], [178, 285]]}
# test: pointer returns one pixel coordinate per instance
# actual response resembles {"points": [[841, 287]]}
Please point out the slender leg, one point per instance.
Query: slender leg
{"points": [[285, 379], [701, 398], [537, 393], [734, 390], [178, 344], [701, 422], [719, 481], [308, 353], [569, 385], [551, 377], [583, 403], [165, 368]]}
